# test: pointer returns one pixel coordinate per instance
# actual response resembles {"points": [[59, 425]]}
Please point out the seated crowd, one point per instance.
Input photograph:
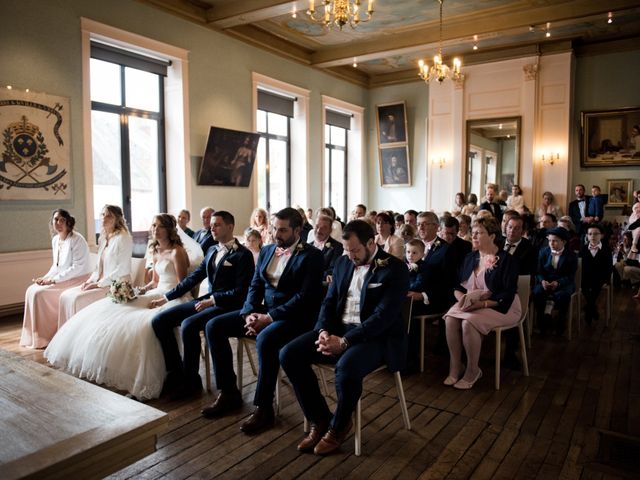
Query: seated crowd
{"points": [[315, 291]]}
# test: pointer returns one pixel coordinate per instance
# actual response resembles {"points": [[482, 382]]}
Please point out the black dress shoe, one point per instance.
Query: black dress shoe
{"points": [[187, 391], [261, 419], [225, 403]]}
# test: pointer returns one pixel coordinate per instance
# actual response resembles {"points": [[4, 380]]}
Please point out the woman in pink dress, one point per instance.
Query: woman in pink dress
{"points": [[486, 299], [114, 263], [71, 266]]}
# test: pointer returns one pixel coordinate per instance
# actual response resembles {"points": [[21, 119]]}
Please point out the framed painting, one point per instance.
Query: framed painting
{"points": [[395, 170], [392, 123], [611, 138], [229, 158], [620, 192]]}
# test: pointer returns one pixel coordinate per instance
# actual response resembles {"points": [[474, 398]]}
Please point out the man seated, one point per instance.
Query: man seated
{"points": [[359, 328], [448, 232], [596, 269], [283, 302], [547, 222], [203, 236], [331, 249], [228, 266]]}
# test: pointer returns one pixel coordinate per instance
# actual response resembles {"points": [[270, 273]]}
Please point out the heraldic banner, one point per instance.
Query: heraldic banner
{"points": [[35, 146]]}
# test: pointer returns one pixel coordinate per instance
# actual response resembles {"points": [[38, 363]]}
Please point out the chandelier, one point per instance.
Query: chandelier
{"points": [[439, 71], [340, 13]]}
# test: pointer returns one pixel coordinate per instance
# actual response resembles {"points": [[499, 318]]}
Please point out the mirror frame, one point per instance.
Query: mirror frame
{"points": [[478, 121]]}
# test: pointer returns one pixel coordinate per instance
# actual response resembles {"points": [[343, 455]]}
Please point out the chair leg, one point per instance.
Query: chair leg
{"points": [[239, 370], [323, 382], [579, 318], [523, 352], [498, 348], [607, 313], [529, 321], [358, 432], [570, 318], [278, 391], [207, 364], [423, 320], [403, 401]]}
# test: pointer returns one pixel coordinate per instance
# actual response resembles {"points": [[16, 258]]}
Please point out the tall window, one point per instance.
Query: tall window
{"points": [[127, 132], [335, 161], [274, 150]]}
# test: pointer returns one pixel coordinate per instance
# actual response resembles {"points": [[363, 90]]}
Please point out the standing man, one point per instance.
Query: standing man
{"points": [[331, 249], [282, 303], [203, 236], [579, 210], [359, 328], [490, 204], [229, 268]]}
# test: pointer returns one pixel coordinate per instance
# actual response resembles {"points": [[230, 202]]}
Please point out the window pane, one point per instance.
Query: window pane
{"points": [[261, 124], [145, 189], [277, 174], [107, 173], [142, 90], [105, 82], [261, 158], [327, 133], [327, 175], [337, 182], [278, 124], [338, 136]]}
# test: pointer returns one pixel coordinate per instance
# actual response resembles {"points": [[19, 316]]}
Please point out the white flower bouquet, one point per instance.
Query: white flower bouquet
{"points": [[121, 291]]}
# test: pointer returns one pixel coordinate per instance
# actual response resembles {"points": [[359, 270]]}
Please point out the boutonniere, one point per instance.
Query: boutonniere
{"points": [[234, 246], [413, 267], [490, 262], [436, 244], [379, 263], [328, 244], [300, 247]]}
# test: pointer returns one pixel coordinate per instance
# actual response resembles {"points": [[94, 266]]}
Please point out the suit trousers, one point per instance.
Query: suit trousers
{"points": [[191, 324], [269, 341], [351, 367]]}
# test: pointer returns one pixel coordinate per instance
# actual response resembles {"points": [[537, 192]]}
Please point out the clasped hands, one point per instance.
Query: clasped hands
{"points": [[549, 285], [43, 281], [478, 303], [89, 286], [328, 344], [255, 322]]}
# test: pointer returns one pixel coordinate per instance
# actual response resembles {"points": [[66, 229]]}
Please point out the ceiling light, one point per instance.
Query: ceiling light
{"points": [[548, 33], [475, 42], [439, 71], [610, 17], [339, 13], [355, 62]]}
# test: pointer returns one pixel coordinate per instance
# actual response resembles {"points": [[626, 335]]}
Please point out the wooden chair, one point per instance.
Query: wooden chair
{"points": [[423, 320], [576, 298], [523, 294], [322, 367]]}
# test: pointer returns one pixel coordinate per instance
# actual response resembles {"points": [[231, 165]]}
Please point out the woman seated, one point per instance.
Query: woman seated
{"points": [[515, 201], [113, 343], [471, 208], [464, 229], [548, 206], [259, 221], [184, 217], [385, 238], [459, 203], [71, 266], [114, 263], [486, 299], [253, 241], [555, 280]]}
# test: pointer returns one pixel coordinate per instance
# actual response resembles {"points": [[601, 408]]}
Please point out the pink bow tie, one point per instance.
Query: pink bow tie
{"points": [[282, 251]]}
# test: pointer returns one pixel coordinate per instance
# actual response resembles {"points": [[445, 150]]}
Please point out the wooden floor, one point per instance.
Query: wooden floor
{"points": [[554, 424]]}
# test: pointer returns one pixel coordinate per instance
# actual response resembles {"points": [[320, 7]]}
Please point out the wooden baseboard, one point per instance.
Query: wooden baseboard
{"points": [[11, 309]]}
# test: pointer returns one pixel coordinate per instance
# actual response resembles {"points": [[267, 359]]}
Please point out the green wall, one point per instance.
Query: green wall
{"points": [[41, 50]]}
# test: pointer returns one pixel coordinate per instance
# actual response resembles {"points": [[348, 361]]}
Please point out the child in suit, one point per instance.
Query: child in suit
{"points": [[414, 251], [596, 269], [595, 209]]}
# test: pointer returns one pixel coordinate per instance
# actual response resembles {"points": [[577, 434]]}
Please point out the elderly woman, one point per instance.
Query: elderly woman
{"points": [[385, 237], [71, 266], [548, 206], [114, 263], [486, 299]]}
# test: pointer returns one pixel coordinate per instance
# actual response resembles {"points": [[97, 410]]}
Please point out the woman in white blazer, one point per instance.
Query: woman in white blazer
{"points": [[70, 268], [115, 247]]}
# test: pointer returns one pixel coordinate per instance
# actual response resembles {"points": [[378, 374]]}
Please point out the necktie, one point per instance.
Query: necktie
{"points": [[282, 251], [508, 247]]}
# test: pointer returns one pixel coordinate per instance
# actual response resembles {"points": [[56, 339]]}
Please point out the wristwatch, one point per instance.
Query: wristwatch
{"points": [[344, 344]]}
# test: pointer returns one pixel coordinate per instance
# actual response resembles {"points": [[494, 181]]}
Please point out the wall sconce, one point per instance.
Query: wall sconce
{"points": [[551, 158], [440, 162]]}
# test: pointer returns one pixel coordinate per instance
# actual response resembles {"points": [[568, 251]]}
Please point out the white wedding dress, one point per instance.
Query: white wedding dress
{"points": [[114, 344]]}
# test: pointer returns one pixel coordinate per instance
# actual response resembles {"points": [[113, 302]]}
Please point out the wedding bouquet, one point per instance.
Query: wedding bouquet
{"points": [[121, 291]]}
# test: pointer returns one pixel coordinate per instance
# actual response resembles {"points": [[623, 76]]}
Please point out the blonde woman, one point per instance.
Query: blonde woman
{"points": [[260, 221], [115, 246]]}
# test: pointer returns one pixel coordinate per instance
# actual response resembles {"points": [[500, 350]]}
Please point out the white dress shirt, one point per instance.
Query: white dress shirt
{"points": [[351, 315], [70, 258], [278, 264]]}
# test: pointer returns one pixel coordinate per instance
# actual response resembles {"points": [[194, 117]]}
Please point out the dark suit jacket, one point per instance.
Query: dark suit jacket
{"points": [[416, 278], [205, 239], [383, 291], [440, 276], [493, 208], [527, 257], [565, 274], [596, 270], [331, 252], [461, 248], [228, 282], [501, 280], [574, 212], [299, 292]]}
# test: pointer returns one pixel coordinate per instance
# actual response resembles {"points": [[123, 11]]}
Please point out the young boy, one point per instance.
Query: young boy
{"points": [[595, 210], [414, 251], [596, 269]]}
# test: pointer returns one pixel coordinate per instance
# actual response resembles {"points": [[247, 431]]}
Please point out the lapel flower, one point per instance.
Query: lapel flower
{"points": [[490, 262], [300, 247], [413, 267], [380, 262], [234, 246], [328, 244]]}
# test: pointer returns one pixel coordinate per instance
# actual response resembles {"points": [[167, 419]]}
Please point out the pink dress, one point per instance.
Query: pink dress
{"points": [[485, 319]]}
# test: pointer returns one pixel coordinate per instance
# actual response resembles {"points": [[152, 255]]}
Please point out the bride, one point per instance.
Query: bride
{"points": [[114, 344]]}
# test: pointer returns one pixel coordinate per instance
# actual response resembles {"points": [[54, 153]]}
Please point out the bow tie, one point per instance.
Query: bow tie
{"points": [[509, 246], [596, 248], [282, 251], [225, 246], [556, 253]]}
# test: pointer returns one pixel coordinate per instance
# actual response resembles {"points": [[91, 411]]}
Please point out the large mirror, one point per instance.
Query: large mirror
{"points": [[493, 154]]}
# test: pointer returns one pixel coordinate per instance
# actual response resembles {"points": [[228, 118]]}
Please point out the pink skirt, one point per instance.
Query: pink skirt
{"points": [[486, 319]]}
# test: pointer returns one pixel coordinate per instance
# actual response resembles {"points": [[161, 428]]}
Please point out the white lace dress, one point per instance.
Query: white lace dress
{"points": [[114, 344]]}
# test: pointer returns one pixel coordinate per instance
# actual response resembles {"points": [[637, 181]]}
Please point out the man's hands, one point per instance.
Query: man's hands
{"points": [[329, 344], [202, 304], [549, 286], [255, 322], [158, 302]]}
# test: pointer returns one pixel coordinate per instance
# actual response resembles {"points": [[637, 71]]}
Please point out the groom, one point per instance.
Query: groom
{"points": [[229, 268]]}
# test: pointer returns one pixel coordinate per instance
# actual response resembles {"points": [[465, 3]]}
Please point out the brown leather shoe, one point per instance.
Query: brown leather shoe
{"points": [[332, 440], [225, 403], [315, 435], [262, 418]]}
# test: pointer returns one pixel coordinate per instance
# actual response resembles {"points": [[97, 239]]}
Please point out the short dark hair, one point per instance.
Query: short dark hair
{"points": [[364, 207], [227, 217], [384, 217], [553, 218], [291, 215], [398, 218], [411, 212], [360, 229], [449, 221], [580, 185]]}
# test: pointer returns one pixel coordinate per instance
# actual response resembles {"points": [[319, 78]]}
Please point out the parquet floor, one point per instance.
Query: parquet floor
{"points": [[545, 426]]}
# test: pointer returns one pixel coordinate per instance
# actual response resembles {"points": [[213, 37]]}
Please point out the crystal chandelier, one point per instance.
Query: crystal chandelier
{"points": [[439, 71], [340, 13]]}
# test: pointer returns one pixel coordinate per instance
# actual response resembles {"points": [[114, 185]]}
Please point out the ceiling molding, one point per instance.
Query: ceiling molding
{"points": [[181, 8], [248, 11], [267, 41]]}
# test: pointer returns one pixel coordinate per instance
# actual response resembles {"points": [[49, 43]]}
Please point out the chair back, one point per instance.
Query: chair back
{"points": [[524, 289], [579, 275], [407, 306]]}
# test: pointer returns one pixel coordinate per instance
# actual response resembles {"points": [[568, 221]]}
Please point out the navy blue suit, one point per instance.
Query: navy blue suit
{"points": [[596, 271], [440, 276], [596, 206], [417, 281], [380, 337], [228, 284], [292, 305], [331, 252], [205, 239]]}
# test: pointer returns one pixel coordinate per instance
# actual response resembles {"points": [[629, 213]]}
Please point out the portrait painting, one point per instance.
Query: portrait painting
{"points": [[392, 123], [620, 192], [229, 158], [611, 138], [395, 170]]}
